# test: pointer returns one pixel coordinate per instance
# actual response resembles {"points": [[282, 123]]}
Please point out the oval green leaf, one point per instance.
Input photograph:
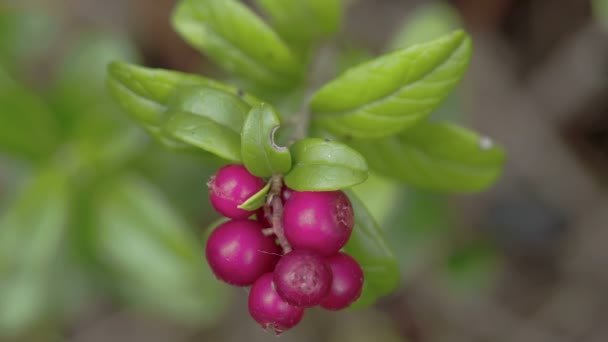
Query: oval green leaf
{"points": [[388, 94], [261, 155], [256, 201], [31, 235], [368, 246], [144, 93], [324, 165], [301, 22], [154, 259], [437, 156], [237, 40], [207, 118]]}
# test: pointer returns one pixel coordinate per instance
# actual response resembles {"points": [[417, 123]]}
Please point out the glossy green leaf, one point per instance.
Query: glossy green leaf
{"points": [[428, 21], [207, 118], [300, 22], [324, 165], [261, 155], [256, 201], [144, 93], [369, 247], [28, 128], [155, 260], [390, 93], [31, 234], [237, 40], [436, 155]]}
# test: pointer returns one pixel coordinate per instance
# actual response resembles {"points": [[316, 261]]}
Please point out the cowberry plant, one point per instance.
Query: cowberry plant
{"points": [[296, 137]]}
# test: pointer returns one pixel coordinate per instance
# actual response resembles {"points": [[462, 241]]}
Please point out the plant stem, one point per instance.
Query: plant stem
{"points": [[277, 211], [322, 62]]}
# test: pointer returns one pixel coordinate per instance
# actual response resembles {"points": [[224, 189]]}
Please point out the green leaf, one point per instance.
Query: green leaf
{"points": [[324, 165], [28, 128], [144, 93], [390, 93], [428, 21], [31, 234], [237, 40], [207, 118], [155, 261], [261, 155], [256, 201], [368, 246], [301, 22], [437, 156]]}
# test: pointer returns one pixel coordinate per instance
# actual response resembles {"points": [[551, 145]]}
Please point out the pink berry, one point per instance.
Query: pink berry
{"points": [[347, 282], [269, 309], [238, 252], [303, 278], [320, 221], [230, 187]]}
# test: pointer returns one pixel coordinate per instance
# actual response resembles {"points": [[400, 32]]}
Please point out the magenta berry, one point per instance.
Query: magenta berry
{"points": [[230, 187], [319, 221], [303, 278], [238, 252], [347, 282], [269, 309]]}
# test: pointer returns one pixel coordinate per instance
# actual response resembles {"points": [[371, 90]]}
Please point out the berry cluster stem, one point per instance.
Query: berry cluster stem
{"points": [[277, 212]]}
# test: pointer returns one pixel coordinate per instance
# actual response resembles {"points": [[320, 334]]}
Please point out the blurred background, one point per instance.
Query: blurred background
{"points": [[524, 261]]}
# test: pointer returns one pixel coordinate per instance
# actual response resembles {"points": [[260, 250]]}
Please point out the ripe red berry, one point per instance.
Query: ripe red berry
{"points": [[238, 252], [303, 278], [319, 221], [269, 309], [346, 284], [230, 187]]}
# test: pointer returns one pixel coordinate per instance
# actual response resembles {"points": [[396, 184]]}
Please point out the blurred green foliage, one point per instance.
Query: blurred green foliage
{"points": [[88, 224]]}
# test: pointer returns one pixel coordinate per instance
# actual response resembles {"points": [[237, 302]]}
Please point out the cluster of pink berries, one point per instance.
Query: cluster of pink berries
{"points": [[244, 250]]}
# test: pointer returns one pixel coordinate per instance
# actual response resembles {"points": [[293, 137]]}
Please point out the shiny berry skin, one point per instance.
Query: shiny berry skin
{"points": [[303, 278], [269, 309], [238, 252], [319, 221], [347, 282], [230, 187]]}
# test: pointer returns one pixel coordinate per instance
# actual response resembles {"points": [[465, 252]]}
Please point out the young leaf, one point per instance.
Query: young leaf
{"points": [[368, 246], [31, 234], [261, 155], [256, 201], [207, 118], [155, 261], [323, 165], [388, 94], [237, 40], [302, 21], [437, 156], [144, 93]]}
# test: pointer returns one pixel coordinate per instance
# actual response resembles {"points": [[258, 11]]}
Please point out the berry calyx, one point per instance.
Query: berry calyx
{"points": [[238, 252], [269, 309], [230, 187], [302, 278], [319, 221], [347, 282]]}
